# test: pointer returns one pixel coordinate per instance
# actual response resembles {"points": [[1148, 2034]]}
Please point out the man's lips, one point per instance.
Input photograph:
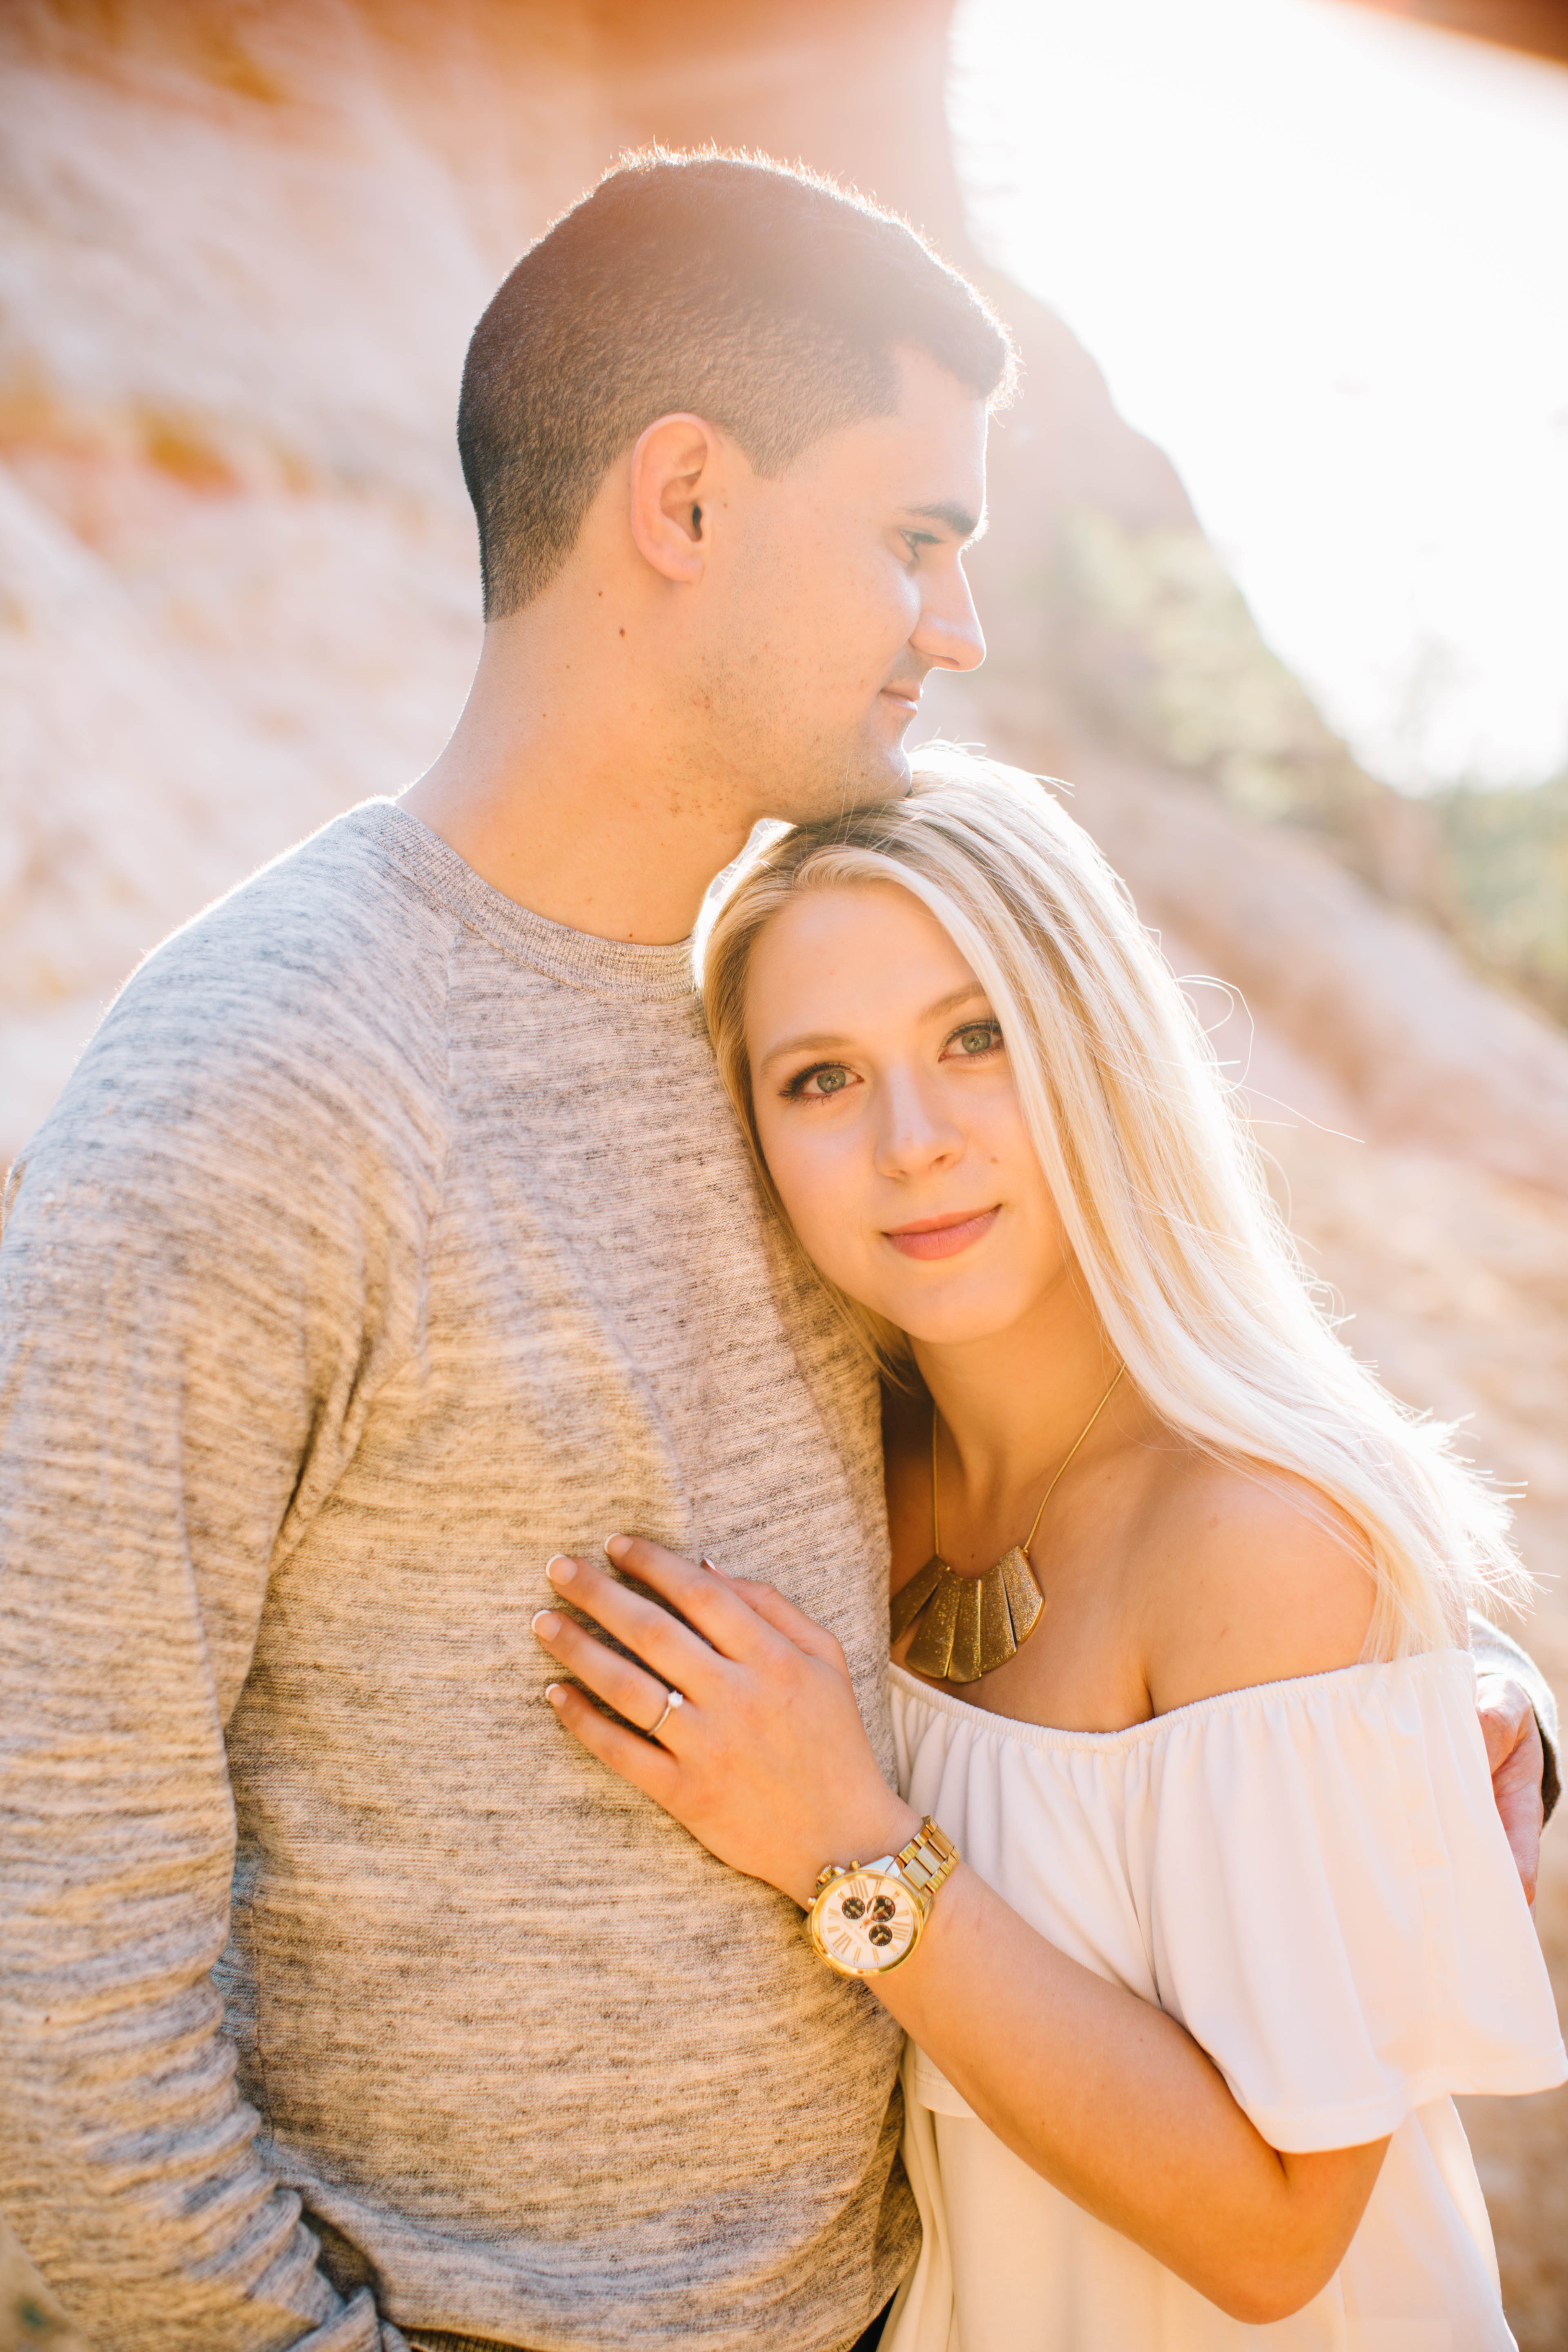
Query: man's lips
{"points": [[944, 1237]]}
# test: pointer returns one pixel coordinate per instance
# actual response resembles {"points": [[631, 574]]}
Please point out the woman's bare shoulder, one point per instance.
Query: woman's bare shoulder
{"points": [[1247, 1576]]}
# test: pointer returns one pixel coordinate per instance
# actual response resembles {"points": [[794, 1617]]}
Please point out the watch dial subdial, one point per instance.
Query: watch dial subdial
{"points": [[866, 1923]]}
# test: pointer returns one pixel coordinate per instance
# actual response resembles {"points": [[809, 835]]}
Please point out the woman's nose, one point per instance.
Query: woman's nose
{"points": [[913, 1134]]}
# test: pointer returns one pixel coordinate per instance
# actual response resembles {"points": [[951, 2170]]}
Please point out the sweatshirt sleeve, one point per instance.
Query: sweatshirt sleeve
{"points": [[209, 1262], [1498, 1653]]}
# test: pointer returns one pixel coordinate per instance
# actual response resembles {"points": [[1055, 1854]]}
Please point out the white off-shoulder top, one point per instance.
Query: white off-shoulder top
{"points": [[1312, 1877]]}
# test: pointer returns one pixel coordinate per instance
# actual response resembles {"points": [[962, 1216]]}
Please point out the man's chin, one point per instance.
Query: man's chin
{"points": [[874, 776]]}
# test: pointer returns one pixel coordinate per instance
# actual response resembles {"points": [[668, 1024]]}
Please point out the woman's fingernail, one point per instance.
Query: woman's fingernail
{"points": [[554, 1693], [714, 1570], [617, 1547], [547, 1625], [560, 1571]]}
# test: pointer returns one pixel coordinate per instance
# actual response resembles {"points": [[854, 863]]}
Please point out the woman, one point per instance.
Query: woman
{"points": [[1179, 1669]]}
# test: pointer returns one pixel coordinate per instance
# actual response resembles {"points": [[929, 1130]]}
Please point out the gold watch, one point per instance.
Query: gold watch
{"points": [[866, 1917]]}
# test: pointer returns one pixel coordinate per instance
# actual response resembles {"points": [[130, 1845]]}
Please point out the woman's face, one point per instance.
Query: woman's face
{"points": [[888, 1116]]}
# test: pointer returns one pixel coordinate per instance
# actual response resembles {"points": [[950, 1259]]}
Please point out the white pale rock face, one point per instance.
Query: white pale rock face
{"points": [[238, 565]]}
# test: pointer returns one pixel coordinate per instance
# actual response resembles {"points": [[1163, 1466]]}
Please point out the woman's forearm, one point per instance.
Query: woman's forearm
{"points": [[1115, 2104]]}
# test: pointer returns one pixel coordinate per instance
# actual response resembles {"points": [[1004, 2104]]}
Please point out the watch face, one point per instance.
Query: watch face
{"points": [[864, 1922]]}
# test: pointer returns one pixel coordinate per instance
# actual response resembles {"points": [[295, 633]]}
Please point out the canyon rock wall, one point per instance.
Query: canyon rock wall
{"points": [[241, 249]]}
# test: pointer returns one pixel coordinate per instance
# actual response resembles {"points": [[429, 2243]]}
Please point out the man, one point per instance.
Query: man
{"points": [[393, 1236]]}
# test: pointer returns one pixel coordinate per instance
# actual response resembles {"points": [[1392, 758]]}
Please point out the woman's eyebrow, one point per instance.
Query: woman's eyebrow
{"points": [[951, 1003], [821, 1041]]}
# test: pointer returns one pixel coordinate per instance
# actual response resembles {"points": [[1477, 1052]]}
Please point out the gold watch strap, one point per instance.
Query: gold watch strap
{"points": [[930, 1858]]}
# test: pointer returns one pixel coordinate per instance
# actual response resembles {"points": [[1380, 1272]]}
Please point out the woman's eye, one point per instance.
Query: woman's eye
{"points": [[979, 1037], [830, 1079]]}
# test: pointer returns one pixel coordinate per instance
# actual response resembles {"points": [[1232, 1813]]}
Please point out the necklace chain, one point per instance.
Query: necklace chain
{"points": [[1050, 1490]]}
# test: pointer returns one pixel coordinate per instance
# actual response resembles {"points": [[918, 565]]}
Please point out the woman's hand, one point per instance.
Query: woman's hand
{"points": [[766, 1761], [1102, 2093]]}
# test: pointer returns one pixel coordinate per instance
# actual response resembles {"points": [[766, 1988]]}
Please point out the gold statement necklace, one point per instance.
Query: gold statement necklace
{"points": [[969, 1625]]}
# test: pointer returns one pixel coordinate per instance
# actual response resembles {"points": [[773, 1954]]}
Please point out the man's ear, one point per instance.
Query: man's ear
{"points": [[673, 475]]}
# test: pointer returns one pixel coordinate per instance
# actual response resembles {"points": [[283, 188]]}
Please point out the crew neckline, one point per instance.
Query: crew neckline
{"points": [[579, 959]]}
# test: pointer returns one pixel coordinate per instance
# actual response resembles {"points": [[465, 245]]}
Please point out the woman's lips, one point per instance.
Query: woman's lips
{"points": [[944, 1237]]}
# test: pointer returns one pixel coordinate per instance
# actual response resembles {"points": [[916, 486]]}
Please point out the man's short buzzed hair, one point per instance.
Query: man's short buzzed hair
{"points": [[766, 300]]}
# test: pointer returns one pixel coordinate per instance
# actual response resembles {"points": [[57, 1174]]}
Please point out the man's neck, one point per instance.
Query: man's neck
{"points": [[568, 797], [608, 857]]}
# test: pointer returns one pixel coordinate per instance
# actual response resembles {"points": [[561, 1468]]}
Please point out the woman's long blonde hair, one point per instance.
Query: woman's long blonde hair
{"points": [[1156, 1175]]}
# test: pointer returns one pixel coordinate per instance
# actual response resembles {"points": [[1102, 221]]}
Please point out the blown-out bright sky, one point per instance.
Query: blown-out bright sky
{"points": [[1322, 257]]}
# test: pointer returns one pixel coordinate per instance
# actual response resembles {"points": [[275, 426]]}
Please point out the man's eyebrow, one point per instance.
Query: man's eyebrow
{"points": [[820, 1042], [955, 519]]}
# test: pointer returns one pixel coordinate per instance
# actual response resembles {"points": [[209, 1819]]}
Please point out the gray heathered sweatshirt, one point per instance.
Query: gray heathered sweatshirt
{"points": [[387, 1240]]}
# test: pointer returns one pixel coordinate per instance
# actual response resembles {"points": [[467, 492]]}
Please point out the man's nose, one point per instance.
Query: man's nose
{"points": [[950, 635]]}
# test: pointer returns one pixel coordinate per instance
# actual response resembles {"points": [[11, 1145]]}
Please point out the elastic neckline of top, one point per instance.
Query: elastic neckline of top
{"points": [[1294, 1689], [607, 967]]}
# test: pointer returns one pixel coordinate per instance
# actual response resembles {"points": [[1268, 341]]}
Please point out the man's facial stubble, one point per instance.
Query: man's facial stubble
{"points": [[843, 590]]}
